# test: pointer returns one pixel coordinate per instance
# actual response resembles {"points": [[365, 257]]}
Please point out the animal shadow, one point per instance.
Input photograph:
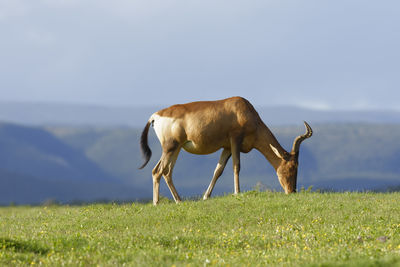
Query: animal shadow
{"points": [[21, 246]]}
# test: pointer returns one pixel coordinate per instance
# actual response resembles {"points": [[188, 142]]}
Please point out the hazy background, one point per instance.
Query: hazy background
{"points": [[79, 79], [319, 54]]}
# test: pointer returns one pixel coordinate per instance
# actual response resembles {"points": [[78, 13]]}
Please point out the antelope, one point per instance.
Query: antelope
{"points": [[204, 127]]}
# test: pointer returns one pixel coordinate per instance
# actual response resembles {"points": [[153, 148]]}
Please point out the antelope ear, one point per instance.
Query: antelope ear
{"points": [[276, 151]]}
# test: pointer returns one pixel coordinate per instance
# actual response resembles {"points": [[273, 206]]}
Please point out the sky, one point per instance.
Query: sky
{"points": [[330, 55]]}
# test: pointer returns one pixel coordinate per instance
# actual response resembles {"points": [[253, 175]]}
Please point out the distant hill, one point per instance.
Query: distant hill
{"points": [[35, 166], [68, 163], [73, 115], [337, 157], [39, 153], [86, 115]]}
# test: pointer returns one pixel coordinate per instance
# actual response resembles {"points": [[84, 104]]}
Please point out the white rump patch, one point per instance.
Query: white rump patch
{"points": [[162, 126]]}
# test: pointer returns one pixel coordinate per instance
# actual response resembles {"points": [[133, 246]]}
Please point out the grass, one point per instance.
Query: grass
{"points": [[253, 229]]}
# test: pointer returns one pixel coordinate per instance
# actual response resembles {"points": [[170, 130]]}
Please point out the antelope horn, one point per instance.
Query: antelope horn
{"points": [[301, 138]]}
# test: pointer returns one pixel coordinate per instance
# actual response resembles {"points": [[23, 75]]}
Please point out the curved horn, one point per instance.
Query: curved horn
{"points": [[301, 138]]}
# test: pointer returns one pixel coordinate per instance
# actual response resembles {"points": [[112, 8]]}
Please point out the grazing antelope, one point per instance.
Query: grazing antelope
{"points": [[206, 126]]}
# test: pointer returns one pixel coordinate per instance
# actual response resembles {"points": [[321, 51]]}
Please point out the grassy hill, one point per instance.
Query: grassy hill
{"points": [[250, 229]]}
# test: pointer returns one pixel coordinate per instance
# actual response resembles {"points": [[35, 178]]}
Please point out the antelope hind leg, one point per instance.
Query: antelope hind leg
{"points": [[168, 174], [157, 172]]}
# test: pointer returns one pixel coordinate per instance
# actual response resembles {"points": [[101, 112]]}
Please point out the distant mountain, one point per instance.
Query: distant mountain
{"points": [[68, 163], [72, 115], [337, 157], [295, 115], [39, 153], [35, 166], [86, 115]]}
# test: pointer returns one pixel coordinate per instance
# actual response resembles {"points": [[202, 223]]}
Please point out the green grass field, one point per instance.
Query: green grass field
{"points": [[253, 229]]}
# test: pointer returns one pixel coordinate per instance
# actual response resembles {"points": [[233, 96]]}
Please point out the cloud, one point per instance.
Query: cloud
{"points": [[38, 38], [316, 105], [62, 3], [319, 54], [12, 8]]}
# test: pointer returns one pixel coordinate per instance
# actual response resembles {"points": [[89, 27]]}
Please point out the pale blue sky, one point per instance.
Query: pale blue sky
{"points": [[341, 54]]}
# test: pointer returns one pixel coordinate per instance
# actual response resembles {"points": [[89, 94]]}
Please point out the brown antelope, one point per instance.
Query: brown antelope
{"points": [[206, 126]]}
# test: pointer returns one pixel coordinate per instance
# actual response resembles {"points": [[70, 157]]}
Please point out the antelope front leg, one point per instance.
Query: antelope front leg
{"points": [[172, 189], [236, 170], [225, 155], [235, 149]]}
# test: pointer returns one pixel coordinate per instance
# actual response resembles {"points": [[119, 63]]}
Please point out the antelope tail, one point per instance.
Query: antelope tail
{"points": [[146, 152]]}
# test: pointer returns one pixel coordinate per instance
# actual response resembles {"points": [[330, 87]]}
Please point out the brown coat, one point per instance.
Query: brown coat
{"points": [[206, 126]]}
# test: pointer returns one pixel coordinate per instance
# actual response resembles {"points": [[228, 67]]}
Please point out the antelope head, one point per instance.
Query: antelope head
{"points": [[287, 169]]}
